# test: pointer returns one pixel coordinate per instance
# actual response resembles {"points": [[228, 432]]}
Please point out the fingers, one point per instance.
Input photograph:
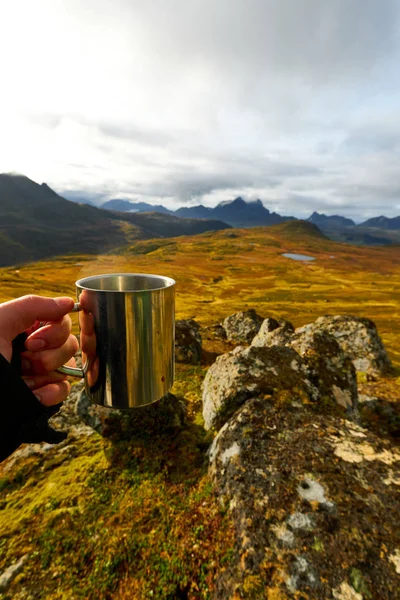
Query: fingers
{"points": [[35, 382], [18, 315], [49, 336], [53, 393], [44, 361]]}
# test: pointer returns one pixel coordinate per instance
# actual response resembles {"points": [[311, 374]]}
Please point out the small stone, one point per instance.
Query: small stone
{"points": [[188, 342], [242, 326], [273, 333], [11, 572]]}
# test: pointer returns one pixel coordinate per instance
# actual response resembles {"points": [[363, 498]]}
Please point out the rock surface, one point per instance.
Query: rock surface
{"points": [[188, 344], [358, 338], [314, 502], [313, 368], [330, 369], [169, 413], [248, 372], [242, 326], [273, 333]]}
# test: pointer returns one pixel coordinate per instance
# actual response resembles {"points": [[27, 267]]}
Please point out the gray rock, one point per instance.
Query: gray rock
{"points": [[242, 326], [273, 333], [188, 343], [255, 371], [330, 369], [358, 338], [312, 499], [11, 572], [67, 418], [169, 413], [216, 331]]}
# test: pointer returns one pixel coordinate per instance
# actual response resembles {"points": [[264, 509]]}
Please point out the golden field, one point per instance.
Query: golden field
{"points": [[218, 273]]}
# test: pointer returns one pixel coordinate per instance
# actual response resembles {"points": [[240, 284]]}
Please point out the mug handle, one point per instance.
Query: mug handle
{"points": [[75, 371]]}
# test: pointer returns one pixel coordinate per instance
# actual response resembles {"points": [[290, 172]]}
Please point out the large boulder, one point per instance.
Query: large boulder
{"points": [[358, 338], [247, 372], [314, 367], [273, 333], [188, 343], [314, 502], [242, 326]]}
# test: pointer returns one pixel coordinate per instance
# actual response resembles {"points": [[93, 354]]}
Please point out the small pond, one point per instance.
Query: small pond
{"points": [[298, 256]]}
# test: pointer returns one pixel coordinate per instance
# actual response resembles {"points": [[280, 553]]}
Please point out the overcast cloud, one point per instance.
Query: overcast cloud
{"points": [[296, 102]]}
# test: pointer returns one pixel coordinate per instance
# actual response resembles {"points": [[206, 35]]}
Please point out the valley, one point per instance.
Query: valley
{"points": [[138, 517], [218, 273]]}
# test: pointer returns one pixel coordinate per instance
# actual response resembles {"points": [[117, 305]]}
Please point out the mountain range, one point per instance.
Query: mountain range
{"points": [[35, 223], [239, 213]]}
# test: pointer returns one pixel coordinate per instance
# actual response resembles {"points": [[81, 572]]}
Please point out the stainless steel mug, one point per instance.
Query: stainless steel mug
{"points": [[127, 338]]}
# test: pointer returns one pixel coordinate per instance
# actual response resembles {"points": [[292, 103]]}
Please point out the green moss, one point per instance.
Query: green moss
{"points": [[358, 582], [63, 485], [361, 377], [318, 545]]}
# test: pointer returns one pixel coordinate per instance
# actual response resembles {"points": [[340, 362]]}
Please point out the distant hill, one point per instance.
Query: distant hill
{"points": [[382, 223], [380, 231], [127, 206], [35, 223], [195, 212], [330, 222], [299, 229], [155, 224]]}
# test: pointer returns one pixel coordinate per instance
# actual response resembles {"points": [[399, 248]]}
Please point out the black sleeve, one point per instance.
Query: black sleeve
{"points": [[23, 419]]}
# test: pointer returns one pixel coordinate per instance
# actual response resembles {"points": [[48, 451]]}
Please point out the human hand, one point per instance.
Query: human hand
{"points": [[48, 346]]}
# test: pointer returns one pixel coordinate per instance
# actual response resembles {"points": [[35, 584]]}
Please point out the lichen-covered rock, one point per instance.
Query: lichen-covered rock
{"points": [[67, 419], [330, 369], [167, 414], [381, 416], [216, 331], [358, 338], [273, 333], [242, 326], [254, 371], [188, 343], [314, 500]]}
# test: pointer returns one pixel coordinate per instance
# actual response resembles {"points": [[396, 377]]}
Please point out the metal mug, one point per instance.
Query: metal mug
{"points": [[127, 338]]}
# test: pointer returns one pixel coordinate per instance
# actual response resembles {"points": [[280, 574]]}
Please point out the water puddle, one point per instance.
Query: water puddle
{"points": [[302, 257]]}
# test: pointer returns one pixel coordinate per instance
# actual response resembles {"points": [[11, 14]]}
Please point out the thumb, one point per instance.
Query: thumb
{"points": [[18, 315]]}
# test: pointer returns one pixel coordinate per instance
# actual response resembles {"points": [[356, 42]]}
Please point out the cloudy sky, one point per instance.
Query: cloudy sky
{"points": [[296, 102]]}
